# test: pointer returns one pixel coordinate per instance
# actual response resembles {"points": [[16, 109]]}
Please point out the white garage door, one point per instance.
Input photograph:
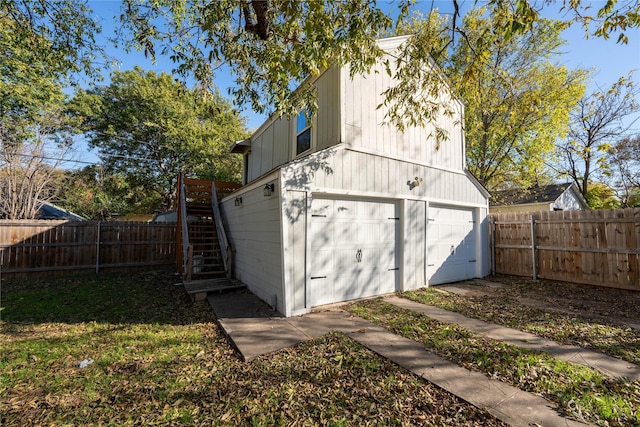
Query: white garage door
{"points": [[451, 244], [353, 249]]}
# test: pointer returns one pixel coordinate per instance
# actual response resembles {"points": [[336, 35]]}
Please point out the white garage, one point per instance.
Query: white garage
{"points": [[353, 246], [451, 244], [344, 205]]}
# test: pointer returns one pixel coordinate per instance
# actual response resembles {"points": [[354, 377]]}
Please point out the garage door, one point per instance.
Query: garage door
{"points": [[451, 244], [353, 249]]}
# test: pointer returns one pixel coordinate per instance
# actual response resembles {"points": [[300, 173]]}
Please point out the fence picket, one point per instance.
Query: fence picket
{"points": [[48, 247], [599, 247]]}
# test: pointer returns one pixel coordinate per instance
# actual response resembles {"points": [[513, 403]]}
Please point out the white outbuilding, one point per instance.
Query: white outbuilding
{"points": [[343, 206]]}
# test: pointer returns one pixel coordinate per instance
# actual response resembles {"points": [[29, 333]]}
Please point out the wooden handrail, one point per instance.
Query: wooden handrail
{"points": [[200, 197]]}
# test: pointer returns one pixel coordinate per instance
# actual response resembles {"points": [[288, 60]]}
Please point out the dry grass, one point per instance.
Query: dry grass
{"points": [[161, 360]]}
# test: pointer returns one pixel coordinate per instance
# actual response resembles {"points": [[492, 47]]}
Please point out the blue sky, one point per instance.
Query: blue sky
{"points": [[608, 59]]}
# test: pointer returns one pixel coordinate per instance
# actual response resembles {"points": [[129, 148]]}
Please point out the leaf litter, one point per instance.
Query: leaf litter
{"points": [[166, 362]]}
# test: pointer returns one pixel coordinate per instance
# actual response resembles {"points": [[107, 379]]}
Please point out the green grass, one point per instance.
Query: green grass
{"points": [[578, 391], [614, 340], [161, 360]]}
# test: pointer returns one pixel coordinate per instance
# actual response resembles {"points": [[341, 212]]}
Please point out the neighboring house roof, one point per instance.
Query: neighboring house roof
{"points": [[556, 194], [50, 211], [171, 216]]}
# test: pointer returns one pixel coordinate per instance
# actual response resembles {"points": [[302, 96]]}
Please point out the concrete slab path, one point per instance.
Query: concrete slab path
{"points": [[507, 403], [256, 329], [607, 365]]}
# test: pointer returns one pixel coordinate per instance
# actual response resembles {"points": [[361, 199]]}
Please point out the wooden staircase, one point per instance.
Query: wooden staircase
{"points": [[203, 252]]}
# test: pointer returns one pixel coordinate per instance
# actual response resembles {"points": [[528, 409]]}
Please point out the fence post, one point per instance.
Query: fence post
{"points": [[493, 245], [98, 248], [533, 247]]}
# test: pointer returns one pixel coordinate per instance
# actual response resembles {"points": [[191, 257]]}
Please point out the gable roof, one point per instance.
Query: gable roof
{"points": [[537, 194], [48, 210]]}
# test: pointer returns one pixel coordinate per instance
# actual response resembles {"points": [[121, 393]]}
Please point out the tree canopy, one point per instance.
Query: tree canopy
{"points": [[150, 127], [94, 193], [42, 45], [517, 98], [271, 45]]}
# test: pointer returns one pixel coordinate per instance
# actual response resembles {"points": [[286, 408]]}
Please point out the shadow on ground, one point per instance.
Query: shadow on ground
{"points": [[116, 298]]}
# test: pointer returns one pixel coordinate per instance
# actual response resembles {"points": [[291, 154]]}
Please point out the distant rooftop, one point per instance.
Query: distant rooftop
{"points": [[522, 196]]}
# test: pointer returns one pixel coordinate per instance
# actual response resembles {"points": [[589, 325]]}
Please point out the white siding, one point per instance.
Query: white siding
{"points": [[295, 207], [567, 201], [255, 235], [327, 120], [273, 144], [282, 149], [347, 112], [339, 170], [364, 127], [414, 245]]}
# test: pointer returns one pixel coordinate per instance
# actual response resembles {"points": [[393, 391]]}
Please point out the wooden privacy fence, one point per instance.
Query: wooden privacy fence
{"points": [[599, 247], [43, 246]]}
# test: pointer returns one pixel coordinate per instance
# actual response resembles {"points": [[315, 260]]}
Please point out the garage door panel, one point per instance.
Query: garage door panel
{"points": [[345, 259], [451, 244], [322, 290], [362, 246], [324, 208], [345, 209], [321, 234], [369, 232], [323, 262]]}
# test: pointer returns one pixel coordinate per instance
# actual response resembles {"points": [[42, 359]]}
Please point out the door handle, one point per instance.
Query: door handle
{"points": [[359, 255]]}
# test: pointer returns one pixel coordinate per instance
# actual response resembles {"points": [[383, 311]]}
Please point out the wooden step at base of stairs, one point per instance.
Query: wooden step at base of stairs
{"points": [[198, 289]]}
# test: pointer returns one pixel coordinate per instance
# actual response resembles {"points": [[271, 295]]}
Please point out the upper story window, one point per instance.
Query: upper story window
{"points": [[303, 133]]}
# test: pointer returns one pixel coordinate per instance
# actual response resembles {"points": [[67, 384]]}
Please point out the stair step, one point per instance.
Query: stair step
{"points": [[206, 250], [198, 289], [210, 266], [209, 263]]}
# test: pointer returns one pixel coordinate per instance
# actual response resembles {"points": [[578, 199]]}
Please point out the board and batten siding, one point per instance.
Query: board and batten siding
{"points": [[270, 148], [295, 205], [414, 235], [339, 170], [254, 230], [326, 123], [273, 144], [365, 128]]}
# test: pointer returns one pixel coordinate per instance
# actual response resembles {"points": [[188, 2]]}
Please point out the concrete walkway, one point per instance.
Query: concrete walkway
{"points": [[607, 365], [255, 329]]}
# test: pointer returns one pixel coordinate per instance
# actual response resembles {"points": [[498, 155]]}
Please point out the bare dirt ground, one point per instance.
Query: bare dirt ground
{"points": [[603, 304]]}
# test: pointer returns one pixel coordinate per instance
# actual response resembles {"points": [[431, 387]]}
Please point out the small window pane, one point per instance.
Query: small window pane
{"points": [[303, 141], [303, 123]]}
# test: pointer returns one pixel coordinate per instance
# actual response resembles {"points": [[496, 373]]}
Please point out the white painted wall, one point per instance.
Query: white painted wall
{"points": [[568, 201], [255, 234], [273, 144], [414, 245], [340, 172], [364, 125], [295, 205], [343, 171], [347, 113]]}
